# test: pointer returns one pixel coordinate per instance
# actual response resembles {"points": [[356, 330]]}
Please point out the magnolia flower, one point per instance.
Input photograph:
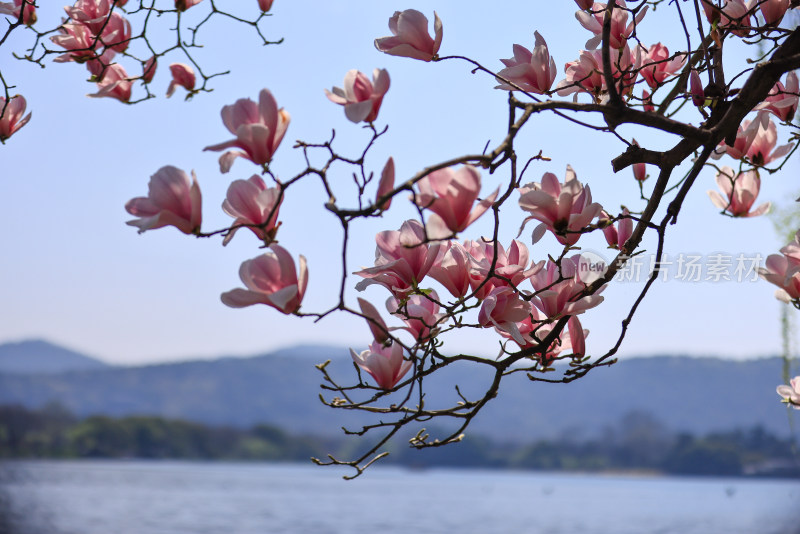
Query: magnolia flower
{"points": [[402, 259], [450, 195], [265, 5], [149, 69], [584, 4], [360, 98], [259, 129], [512, 266], [733, 15], [116, 33], [696, 89], [420, 313], [745, 135], [740, 192], [586, 73], [411, 37], [11, 116], [78, 39], [782, 99], [657, 66], [620, 29], [782, 272], [762, 150], [791, 393], [14, 8], [557, 288], [90, 13], [376, 325], [252, 203], [533, 72], [385, 185], [616, 238], [647, 102], [503, 308], [385, 364], [98, 65], [172, 200], [183, 5], [114, 84], [183, 75], [564, 209], [270, 279], [452, 269], [639, 169], [773, 10]]}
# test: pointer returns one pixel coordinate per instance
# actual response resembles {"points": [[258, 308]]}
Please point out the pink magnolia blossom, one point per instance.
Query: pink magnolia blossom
{"points": [[558, 289], [149, 69], [503, 308], [620, 28], [762, 150], [117, 33], [78, 39], [183, 75], [386, 364], [450, 195], [114, 29], [534, 71], [402, 259], [97, 66], [639, 169], [452, 269], [410, 36], [420, 313], [90, 13], [696, 89], [259, 129], [172, 200], [584, 4], [791, 393], [792, 251], [617, 237], [15, 8], [361, 98], [11, 116], [745, 135], [534, 332], [577, 337], [270, 279], [733, 15], [385, 185], [740, 192], [657, 67], [779, 270], [586, 73], [183, 5], [114, 84], [511, 265], [251, 202], [564, 209], [376, 325], [782, 100], [773, 10], [265, 5], [647, 102]]}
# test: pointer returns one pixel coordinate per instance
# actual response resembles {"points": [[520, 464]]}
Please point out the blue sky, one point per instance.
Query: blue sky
{"points": [[72, 272]]}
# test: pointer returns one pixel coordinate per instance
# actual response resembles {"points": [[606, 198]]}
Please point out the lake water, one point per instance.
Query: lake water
{"points": [[138, 497]]}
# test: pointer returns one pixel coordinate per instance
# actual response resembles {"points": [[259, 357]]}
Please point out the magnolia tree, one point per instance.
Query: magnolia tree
{"points": [[716, 114]]}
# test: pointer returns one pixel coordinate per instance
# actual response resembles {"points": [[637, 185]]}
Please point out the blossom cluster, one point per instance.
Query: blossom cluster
{"points": [[533, 306]]}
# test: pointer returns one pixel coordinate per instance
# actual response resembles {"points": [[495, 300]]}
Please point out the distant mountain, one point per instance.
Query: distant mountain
{"points": [[41, 357], [697, 395]]}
